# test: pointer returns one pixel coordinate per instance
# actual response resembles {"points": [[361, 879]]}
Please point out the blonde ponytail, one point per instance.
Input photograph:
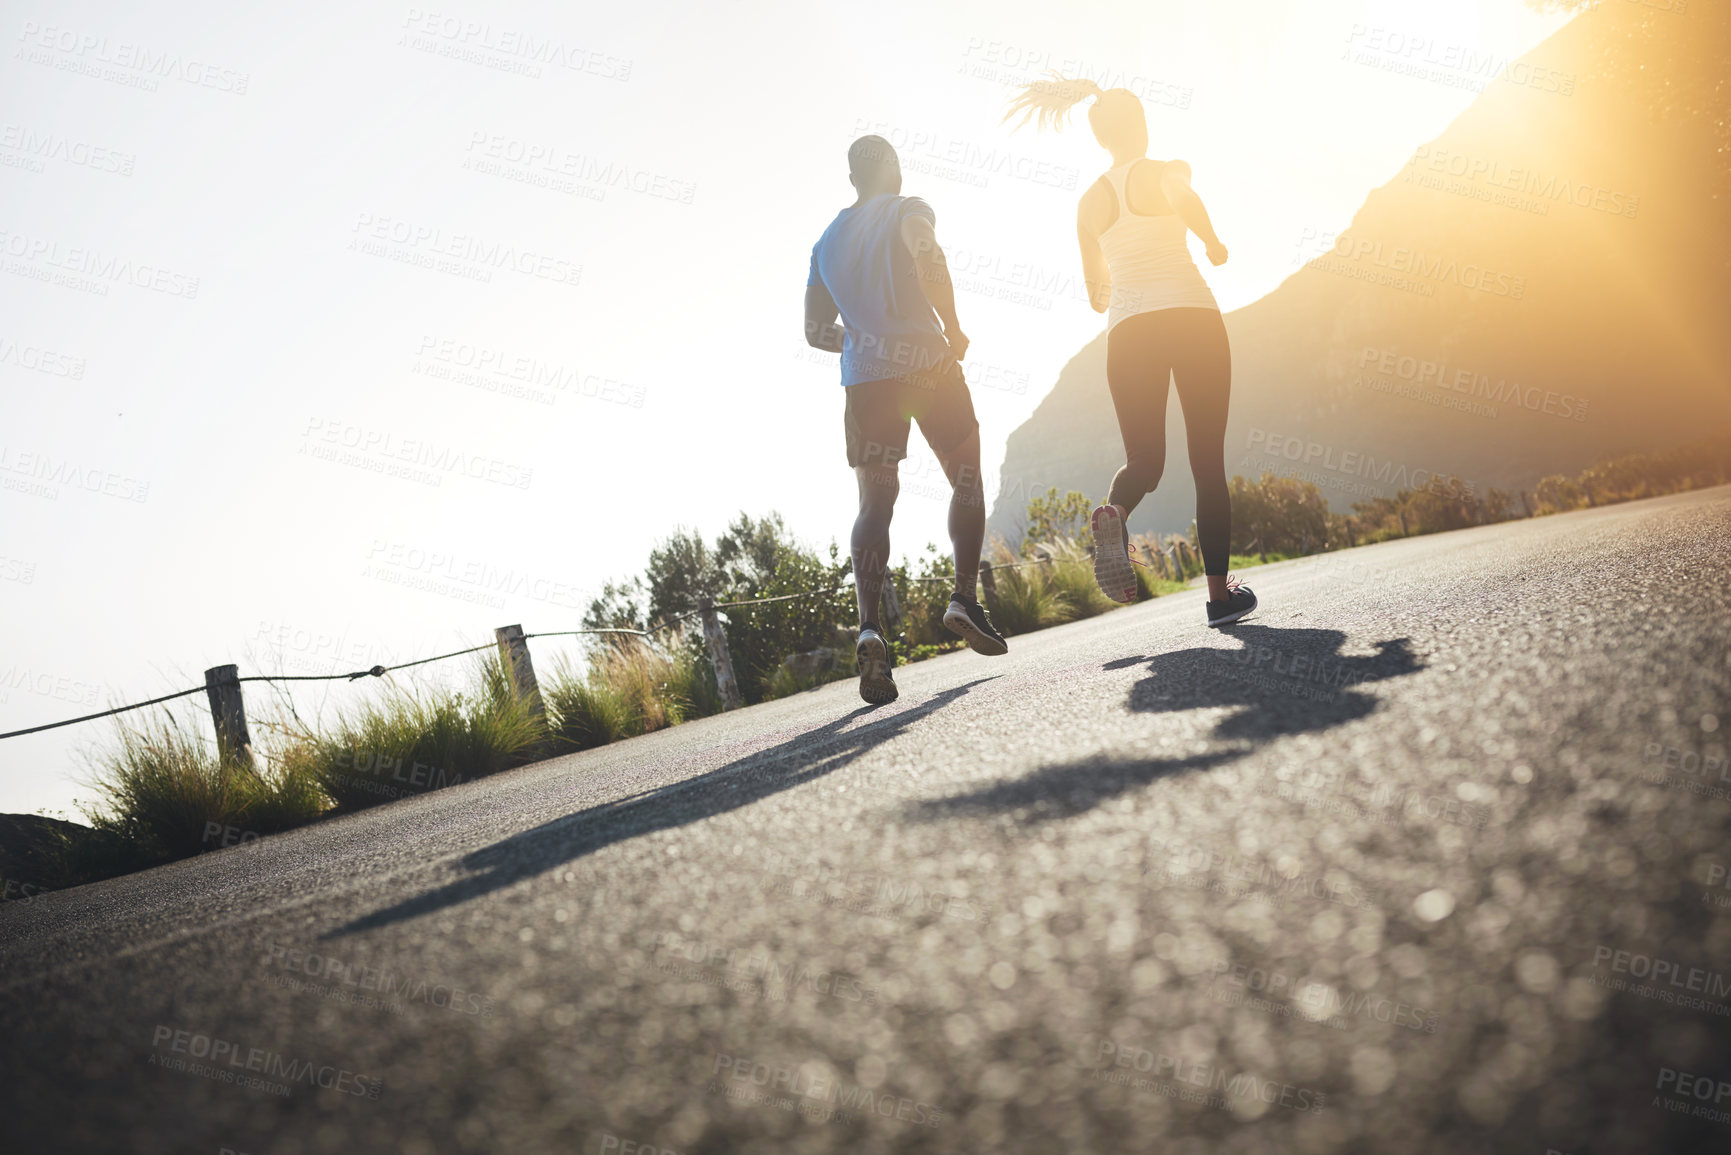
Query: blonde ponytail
{"points": [[1048, 102]]}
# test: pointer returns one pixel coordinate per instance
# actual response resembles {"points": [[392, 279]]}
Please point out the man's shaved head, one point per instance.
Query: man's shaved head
{"points": [[873, 167]]}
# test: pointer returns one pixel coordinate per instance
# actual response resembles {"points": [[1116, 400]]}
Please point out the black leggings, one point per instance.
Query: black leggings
{"points": [[1145, 352]]}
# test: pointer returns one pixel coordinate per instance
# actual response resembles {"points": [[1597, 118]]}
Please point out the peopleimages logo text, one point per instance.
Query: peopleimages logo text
{"points": [[63, 471], [388, 983], [40, 360], [1322, 1000], [229, 1058], [1525, 179], [1100, 1056], [1463, 65], [94, 263], [488, 254], [516, 43], [479, 573], [162, 65], [801, 1083], [43, 146], [1473, 384], [417, 451], [1353, 462], [556, 160], [1659, 970], [1369, 252]]}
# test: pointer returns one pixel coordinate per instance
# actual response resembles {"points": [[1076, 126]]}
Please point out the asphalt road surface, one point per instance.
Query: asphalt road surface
{"points": [[1429, 855]]}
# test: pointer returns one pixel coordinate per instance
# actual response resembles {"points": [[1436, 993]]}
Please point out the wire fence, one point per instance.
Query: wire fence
{"points": [[508, 640], [354, 675]]}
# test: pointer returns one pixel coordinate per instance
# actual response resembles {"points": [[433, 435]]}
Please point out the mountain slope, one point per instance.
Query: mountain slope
{"points": [[1542, 286]]}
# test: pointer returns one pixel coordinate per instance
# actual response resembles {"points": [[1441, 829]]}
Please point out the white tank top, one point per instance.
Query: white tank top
{"points": [[1149, 260]]}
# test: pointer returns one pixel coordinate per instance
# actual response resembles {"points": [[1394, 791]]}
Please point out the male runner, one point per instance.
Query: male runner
{"points": [[879, 265]]}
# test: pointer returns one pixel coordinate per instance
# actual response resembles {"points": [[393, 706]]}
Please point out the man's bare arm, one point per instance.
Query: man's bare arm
{"points": [[821, 331], [1175, 183], [934, 274]]}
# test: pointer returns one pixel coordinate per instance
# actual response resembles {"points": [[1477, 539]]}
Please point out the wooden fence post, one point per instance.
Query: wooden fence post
{"points": [[228, 713], [988, 584], [725, 683], [1350, 543], [514, 654], [1403, 529], [1526, 503], [892, 608]]}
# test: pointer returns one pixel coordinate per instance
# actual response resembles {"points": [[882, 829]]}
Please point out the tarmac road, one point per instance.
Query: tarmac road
{"points": [[1430, 855]]}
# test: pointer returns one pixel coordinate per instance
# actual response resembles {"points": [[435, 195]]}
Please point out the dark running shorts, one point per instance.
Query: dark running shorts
{"points": [[878, 413]]}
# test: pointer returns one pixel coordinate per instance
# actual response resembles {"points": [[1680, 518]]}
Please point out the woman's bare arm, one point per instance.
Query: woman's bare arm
{"points": [[1095, 274], [1175, 184]]}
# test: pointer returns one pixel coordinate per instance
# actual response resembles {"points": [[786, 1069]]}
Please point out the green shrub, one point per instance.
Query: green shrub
{"points": [[411, 742], [1278, 513], [163, 792], [1149, 583], [924, 587], [1054, 518], [923, 651], [1027, 600], [787, 679], [1071, 575], [627, 689], [755, 558], [589, 713], [688, 680], [1240, 561]]}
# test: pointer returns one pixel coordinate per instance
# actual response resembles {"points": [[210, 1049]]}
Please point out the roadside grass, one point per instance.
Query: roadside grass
{"points": [[1251, 560], [1071, 575], [1027, 600], [416, 741], [162, 791], [1151, 585], [627, 689], [1039, 593]]}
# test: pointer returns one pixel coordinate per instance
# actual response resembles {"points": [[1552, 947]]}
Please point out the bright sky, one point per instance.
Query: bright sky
{"points": [[268, 269]]}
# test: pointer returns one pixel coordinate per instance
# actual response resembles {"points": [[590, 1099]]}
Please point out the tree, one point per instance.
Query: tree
{"points": [[682, 570], [1052, 518], [1440, 504], [1557, 494], [617, 607], [753, 558], [750, 551], [1277, 514]]}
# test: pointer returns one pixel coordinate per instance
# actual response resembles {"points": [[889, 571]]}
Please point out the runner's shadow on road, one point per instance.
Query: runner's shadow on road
{"points": [[800, 759], [1280, 682]]}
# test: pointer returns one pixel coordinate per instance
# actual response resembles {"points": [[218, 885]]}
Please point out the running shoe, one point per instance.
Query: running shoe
{"points": [[1239, 601], [1112, 568], [967, 617], [876, 685]]}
